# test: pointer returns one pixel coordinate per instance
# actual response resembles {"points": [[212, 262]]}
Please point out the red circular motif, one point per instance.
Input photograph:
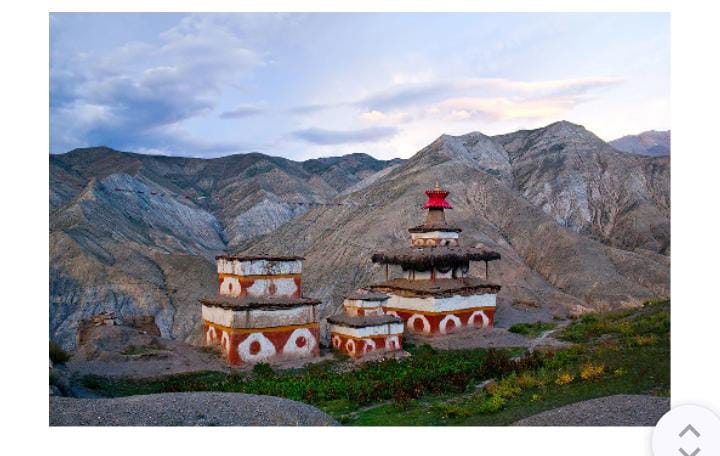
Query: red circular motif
{"points": [[418, 324], [255, 347], [450, 325], [300, 341]]}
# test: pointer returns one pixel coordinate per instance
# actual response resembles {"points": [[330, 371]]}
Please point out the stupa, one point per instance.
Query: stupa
{"points": [[363, 328], [260, 314], [436, 296]]}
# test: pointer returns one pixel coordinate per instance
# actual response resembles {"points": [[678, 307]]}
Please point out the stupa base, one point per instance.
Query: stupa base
{"points": [[242, 346], [431, 324]]}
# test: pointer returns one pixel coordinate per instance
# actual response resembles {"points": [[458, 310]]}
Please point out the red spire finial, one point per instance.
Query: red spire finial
{"points": [[436, 198]]}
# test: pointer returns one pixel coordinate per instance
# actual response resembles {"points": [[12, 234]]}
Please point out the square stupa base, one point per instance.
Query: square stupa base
{"points": [[264, 345], [431, 324]]}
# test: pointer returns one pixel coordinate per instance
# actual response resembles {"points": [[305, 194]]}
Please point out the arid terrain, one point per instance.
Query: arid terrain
{"points": [[580, 225]]}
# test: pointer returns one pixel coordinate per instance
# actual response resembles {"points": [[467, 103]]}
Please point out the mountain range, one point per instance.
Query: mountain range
{"points": [[653, 143], [580, 225]]}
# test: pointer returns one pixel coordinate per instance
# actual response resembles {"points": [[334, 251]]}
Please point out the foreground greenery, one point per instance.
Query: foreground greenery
{"points": [[624, 351], [531, 329]]}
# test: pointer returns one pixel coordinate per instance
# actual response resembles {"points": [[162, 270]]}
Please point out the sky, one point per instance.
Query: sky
{"points": [[312, 85]]}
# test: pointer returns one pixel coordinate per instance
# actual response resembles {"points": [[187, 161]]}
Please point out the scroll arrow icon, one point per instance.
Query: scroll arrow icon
{"points": [[685, 453], [690, 428]]}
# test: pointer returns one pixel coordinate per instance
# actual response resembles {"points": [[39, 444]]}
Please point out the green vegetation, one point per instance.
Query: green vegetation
{"points": [[57, 354], [531, 329], [429, 371], [626, 351]]}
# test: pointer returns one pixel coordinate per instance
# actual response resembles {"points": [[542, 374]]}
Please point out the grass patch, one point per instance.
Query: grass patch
{"points": [[622, 352], [429, 371], [531, 330], [57, 354]]}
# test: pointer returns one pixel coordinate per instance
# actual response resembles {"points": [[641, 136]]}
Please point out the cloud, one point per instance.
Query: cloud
{"points": [[503, 109], [138, 89], [326, 137], [246, 110], [405, 95], [376, 117]]}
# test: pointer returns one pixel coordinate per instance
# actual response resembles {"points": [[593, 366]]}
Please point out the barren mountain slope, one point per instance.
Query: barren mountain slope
{"points": [[137, 234], [250, 194], [543, 262], [586, 185], [653, 143]]}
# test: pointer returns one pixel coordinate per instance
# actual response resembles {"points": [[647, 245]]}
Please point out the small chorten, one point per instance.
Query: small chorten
{"points": [[437, 296], [363, 327], [260, 313]]}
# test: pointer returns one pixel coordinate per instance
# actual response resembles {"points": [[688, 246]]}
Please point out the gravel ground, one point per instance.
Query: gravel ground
{"points": [[186, 409], [619, 410]]}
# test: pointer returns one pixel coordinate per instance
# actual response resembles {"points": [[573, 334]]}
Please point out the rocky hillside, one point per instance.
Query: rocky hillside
{"points": [[589, 187], [552, 201], [137, 234], [580, 226], [652, 143]]}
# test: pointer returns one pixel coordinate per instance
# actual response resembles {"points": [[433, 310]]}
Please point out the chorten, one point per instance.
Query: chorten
{"points": [[436, 296], [260, 314], [363, 327]]}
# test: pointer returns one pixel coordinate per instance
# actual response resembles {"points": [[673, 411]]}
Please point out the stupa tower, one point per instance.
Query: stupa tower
{"points": [[260, 313], [436, 296], [363, 328]]}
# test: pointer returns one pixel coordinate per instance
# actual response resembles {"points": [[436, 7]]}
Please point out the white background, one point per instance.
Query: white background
{"points": [[695, 271]]}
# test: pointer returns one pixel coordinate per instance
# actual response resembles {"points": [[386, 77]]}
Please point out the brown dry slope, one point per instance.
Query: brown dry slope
{"points": [[544, 263], [580, 225], [136, 234]]}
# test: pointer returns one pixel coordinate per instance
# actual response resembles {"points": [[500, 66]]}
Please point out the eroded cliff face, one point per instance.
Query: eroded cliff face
{"points": [[580, 226]]}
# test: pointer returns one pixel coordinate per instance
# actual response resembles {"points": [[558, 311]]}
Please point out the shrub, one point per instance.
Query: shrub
{"points": [[505, 388], [591, 372], [92, 382], [645, 340], [57, 354], [527, 380], [263, 370], [564, 378], [492, 404]]}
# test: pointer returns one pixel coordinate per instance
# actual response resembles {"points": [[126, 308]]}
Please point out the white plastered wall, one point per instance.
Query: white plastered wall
{"points": [[449, 304], [259, 318], [368, 331]]}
